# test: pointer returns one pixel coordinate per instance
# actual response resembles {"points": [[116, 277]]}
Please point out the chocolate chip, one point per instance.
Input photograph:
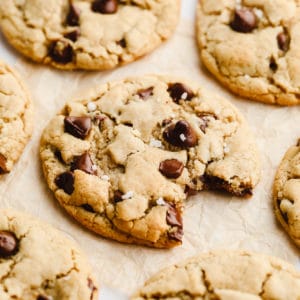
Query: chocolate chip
{"points": [[171, 168], [145, 93], [174, 219], [166, 122], [273, 65], [73, 35], [3, 168], [78, 126], [91, 287], [174, 215], [189, 191], [88, 208], [73, 16], [42, 297], [118, 196], [61, 52], [8, 243], [122, 43], [105, 6], [180, 91], [244, 20], [181, 135], [57, 154], [176, 235], [84, 163], [65, 181], [216, 183], [283, 41]]}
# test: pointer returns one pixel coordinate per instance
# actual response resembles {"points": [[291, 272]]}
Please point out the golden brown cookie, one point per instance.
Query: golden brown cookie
{"points": [[123, 158]]}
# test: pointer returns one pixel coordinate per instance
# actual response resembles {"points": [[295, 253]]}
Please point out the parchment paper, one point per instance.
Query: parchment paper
{"points": [[211, 220]]}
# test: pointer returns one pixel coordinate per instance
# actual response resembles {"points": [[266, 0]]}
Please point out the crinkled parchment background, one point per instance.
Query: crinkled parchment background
{"points": [[211, 220]]}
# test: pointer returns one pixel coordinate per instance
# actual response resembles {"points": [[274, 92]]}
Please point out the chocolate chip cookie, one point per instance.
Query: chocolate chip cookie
{"points": [[38, 262], [85, 34], [225, 276], [123, 159], [16, 118], [287, 191], [252, 47]]}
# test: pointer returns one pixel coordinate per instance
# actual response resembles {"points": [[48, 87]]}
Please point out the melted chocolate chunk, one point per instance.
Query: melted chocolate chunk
{"points": [[42, 297], [73, 16], [8, 244], [3, 168], [65, 181], [118, 196], [244, 20], [122, 43], [189, 191], [273, 65], [105, 6], [181, 135], [78, 126], [215, 183], [176, 235], [174, 219], [171, 168], [57, 154], [283, 41], [61, 52], [73, 35], [145, 93], [174, 216], [180, 91], [88, 208], [84, 163]]}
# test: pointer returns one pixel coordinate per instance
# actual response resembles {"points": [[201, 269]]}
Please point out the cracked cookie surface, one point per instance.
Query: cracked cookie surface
{"points": [[286, 193], [85, 34], [123, 158], [16, 117], [251, 46], [38, 262], [225, 276]]}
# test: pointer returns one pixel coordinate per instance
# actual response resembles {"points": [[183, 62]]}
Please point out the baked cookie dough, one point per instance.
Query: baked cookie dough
{"points": [[87, 34], [122, 159], [38, 262], [225, 276], [16, 118], [252, 47], [287, 193]]}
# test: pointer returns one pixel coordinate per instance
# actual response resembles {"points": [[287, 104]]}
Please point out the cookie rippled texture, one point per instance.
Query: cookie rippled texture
{"points": [[40, 262], [16, 118], [122, 159], [84, 34], [287, 191], [252, 46], [225, 276]]}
